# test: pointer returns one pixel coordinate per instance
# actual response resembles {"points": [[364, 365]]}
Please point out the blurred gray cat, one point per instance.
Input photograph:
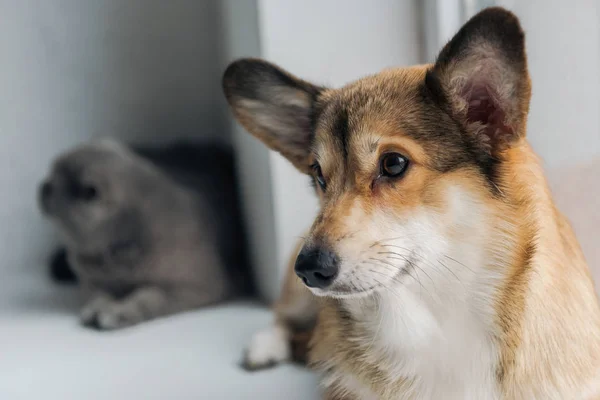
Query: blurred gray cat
{"points": [[142, 244]]}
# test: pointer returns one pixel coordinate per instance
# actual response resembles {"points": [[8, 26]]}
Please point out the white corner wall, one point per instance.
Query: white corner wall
{"points": [[240, 30], [563, 47]]}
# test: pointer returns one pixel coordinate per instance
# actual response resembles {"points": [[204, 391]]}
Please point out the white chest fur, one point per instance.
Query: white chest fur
{"points": [[444, 347]]}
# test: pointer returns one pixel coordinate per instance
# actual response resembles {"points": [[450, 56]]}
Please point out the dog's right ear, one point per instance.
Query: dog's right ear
{"points": [[274, 106], [481, 78]]}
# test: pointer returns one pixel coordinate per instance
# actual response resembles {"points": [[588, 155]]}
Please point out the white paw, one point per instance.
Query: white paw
{"points": [[88, 313], [105, 314], [267, 348], [110, 318]]}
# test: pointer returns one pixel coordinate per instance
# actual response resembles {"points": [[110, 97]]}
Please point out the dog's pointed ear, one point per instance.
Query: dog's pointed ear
{"points": [[274, 106], [481, 78]]}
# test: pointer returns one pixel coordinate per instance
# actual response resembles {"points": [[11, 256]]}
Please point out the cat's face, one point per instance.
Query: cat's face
{"points": [[86, 188]]}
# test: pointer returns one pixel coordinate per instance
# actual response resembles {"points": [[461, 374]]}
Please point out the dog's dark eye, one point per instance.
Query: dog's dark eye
{"points": [[393, 165], [319, 176], [88, 193]]}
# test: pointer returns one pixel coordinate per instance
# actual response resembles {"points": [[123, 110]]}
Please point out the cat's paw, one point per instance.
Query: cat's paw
{"points": [[267, 348], [90, 310], [104, 313]]}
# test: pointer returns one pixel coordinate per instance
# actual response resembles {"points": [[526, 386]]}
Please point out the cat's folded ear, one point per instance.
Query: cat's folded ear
{"points": [[481, 78], [274, 106]]}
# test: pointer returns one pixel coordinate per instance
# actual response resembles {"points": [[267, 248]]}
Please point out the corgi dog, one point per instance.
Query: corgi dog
{"points": [[438, 266]]}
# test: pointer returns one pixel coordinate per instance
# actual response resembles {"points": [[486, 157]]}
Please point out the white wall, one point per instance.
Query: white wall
{"points": [[329, 42], [241, 39], [563, 45], [142, 69]]}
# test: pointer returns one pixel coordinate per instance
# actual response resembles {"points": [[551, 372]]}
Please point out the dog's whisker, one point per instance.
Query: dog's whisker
{"points": [[407, 259], [459, 263], [385, 264], [407, 271], [446, 256], [451, 272], [378, 242]]}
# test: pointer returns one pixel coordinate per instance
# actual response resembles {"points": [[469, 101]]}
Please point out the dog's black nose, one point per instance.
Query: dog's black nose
{"points": [[317, 267]]}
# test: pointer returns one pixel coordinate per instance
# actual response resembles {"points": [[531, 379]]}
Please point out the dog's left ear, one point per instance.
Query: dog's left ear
{"points": [[481, 78], [274, 106]]}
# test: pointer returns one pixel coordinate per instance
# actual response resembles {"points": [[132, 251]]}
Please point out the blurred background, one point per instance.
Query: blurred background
{"points": [[149, 71]]}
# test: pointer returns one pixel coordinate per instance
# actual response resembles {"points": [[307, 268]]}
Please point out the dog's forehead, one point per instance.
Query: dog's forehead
{"points": [[393, 104], [375, 106]]}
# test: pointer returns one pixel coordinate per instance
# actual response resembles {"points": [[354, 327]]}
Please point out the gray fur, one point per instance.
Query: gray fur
{"points": [[142, 245]]}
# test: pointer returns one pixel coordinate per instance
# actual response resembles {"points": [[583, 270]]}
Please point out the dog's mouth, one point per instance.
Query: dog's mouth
{"points": [[368, 282]]}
